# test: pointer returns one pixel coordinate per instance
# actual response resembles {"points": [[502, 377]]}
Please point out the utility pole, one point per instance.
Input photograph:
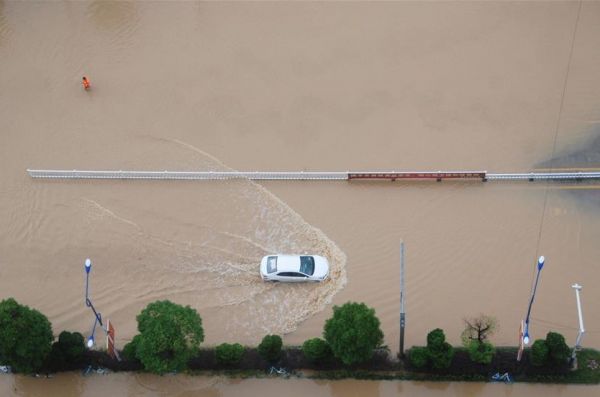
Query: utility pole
{"points": [[402, 297], [577, 288]]}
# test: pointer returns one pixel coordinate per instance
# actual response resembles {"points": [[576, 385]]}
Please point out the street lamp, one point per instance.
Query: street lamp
{"points": [[540, 265], [108, 329], [577, 288], [88, 267], [402, 298], [97, 316]]}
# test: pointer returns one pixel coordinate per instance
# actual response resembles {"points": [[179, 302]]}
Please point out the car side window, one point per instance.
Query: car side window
{"points": [[290, 274]]}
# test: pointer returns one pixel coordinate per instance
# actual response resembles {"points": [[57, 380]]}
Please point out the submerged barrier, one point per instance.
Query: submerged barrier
{"points": [[316, 175]]}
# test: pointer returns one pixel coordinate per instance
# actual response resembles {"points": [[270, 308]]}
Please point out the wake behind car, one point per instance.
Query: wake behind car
{"points": [[294, 268]]}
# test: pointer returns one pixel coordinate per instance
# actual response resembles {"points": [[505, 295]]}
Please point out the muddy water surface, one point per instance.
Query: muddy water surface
{"points": [[317, 86], [67, 385]]}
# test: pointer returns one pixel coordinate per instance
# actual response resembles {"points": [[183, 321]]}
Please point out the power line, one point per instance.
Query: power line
{"points": [[560, 110]]}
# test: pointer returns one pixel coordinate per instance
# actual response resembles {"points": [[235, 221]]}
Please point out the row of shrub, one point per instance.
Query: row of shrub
{"points": [[550, 353], [170, 336]]}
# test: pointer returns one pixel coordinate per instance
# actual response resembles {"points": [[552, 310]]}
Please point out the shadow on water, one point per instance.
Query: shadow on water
{"points": [[587, 157], [4, 28], [112, 15]]}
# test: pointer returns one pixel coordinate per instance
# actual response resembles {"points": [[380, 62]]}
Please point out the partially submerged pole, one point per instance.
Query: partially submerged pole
{"points": [[402, 314], [577, 346]]}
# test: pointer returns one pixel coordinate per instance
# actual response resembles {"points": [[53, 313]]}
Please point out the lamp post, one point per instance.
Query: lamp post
{"points": [[88, 267], [577, 346], [97, 316], [540, 265], [402, 298]]}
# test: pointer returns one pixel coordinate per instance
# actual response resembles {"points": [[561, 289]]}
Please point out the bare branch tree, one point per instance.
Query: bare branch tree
{"points": [[478, 329]]}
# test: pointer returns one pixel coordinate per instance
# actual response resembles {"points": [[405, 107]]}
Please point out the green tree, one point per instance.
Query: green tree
{"points": [[67, 352], [229, 354], [539, 353], [170, 335], [317, 350], [25, 336], [353, 332], [436, 338], [481, 353], [478, 328], [558, 350], [475, 338], [418, 357], [130, 349], [440, 351], [270, 348]]}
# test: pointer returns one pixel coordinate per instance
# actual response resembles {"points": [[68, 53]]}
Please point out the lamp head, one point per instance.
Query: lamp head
{"points": [[541, 261], [526, 339], [88, 265], [90, 342]]}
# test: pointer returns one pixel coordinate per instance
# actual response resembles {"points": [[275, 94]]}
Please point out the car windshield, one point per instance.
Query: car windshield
{"points": [[272, 264], [307, 265]]}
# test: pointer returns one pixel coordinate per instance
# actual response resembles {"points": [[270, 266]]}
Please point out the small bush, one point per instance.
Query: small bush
{"points": [[481, 353], [436, 338], [558, 350], [71, 343], [441, 357], [418, 357], [317, 350], [229, 354], [129, 350], [270, 348], [66, 353], [440, 351], [539, 353]]}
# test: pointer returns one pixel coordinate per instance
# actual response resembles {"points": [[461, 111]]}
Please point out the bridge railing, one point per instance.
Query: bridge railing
{"points": [[532, 176], [312, 175], [190, 175]]}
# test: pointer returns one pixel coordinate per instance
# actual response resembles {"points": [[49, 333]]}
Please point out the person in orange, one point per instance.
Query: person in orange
{"points": [[86, 83]]}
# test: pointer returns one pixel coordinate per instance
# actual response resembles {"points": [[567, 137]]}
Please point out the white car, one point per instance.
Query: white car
{"points": [[294, 268]]}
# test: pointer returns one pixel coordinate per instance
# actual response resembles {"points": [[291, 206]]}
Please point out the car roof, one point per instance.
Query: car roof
{"points": [[288, 263]]}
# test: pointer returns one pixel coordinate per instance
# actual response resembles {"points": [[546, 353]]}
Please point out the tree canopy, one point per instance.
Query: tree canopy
{"points": [[558, 350], [478, 329], [317, 350], [270, 348], [170, 335], [353, 332], [229, 354], [475, 338], [440, 352], [67, 352], [25, 336]]}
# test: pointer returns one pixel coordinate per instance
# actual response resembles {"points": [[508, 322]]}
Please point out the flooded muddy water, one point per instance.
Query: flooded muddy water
{"points": [[500, 86], [73, 385]]}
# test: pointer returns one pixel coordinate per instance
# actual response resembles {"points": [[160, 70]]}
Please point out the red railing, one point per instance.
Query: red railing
{"points": [[418, 175]]}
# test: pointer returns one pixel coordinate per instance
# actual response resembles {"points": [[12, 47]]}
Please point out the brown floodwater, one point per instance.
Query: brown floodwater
{"points": [[501, 86], [73, 385]]}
